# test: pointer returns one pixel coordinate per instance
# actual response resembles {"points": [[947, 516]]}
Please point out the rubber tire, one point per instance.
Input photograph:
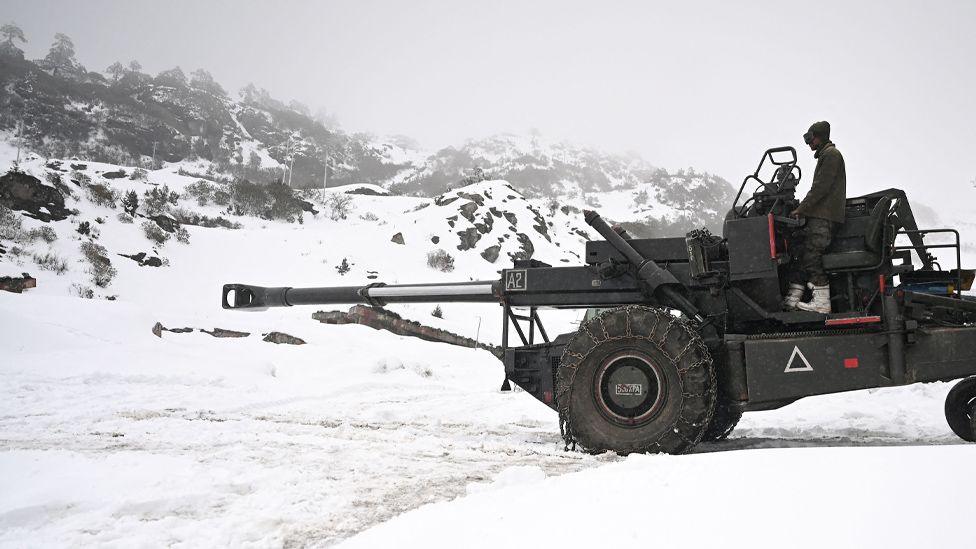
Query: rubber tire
{"points": [[960, 409], [724, 420], [676, 349]]}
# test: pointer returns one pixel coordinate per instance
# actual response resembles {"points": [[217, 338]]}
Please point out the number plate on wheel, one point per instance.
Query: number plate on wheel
{"points": [[628, 389]]}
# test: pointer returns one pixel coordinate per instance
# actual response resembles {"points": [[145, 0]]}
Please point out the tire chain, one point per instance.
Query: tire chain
{"points": [[695, 343]]}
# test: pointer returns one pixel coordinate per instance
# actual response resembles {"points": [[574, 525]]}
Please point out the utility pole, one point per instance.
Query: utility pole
{"points": [[20, 140], [325, 172], [290, 166]]}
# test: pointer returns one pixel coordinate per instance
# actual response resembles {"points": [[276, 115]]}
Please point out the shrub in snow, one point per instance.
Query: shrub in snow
{"points": [[101, 269], [284, 205], [184, 216], [85, 229], [124, 218], [182, 235], [206, 192], [101, 195], [338, 206], [154, 233], [51, 262], [80, 178], [11, 226], [139, 175], [270, 201], [552, 205], [641, 197], [158, 200], [369, 216], [82, 291], [45, 233], [343, 267], [249, 198], [130, 203], [437, 312], [440, 260]]}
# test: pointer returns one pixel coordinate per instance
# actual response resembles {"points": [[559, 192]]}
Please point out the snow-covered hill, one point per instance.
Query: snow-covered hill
{"points": [[470, 233]]}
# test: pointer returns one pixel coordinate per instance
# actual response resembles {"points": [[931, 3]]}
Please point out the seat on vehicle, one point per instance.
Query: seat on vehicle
{"points": [[859, 243]]}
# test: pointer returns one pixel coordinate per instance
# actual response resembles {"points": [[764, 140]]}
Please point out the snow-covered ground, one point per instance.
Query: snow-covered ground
{"points": [[110, 435]]}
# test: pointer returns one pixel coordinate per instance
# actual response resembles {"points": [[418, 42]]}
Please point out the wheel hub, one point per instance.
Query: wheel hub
{"points": [[629, 388]]}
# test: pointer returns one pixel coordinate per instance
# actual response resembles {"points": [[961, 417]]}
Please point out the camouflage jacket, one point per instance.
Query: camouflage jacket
{"points": [[828, 193]]}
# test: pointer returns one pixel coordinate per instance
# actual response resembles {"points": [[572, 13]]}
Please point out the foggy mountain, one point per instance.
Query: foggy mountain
{"points": [[132, 118]]}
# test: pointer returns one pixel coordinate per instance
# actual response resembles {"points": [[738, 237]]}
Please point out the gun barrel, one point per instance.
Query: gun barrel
{"points": [[250, 297]]}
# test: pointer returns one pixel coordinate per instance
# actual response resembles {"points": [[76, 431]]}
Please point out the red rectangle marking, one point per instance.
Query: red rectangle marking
{"points": [[850, 363], [852, 320]]}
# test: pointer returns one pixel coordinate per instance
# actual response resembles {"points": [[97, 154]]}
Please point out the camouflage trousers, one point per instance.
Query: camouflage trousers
{"points": [[808, 251]]}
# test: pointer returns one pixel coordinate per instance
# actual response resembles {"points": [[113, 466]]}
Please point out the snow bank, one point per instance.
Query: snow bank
{"points": [[813, 497]]}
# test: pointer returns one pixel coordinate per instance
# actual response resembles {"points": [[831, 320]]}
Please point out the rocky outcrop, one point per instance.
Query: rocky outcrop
{"points": [[158, 330], [17, 284], [165, 223], [491, 253], [26, 193], [220, 332], [469, 238], [467, 210], [527, 249], [397, 239], [143, 261], [114, 175], [282, 338]]}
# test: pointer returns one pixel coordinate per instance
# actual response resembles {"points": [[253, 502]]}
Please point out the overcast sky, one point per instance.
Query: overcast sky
{"points": [[706, 84]]}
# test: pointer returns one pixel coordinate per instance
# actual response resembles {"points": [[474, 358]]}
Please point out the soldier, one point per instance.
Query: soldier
{"points": [[823, 209]]}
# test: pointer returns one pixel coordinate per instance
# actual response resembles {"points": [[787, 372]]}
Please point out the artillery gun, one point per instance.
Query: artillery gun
{"points": [[686, 333]]}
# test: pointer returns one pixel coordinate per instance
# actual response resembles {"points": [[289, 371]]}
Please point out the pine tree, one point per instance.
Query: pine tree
{"points": [[11, 32], [130, 202], [203, 80], [62, 53], [173, 77], [343, 267]]}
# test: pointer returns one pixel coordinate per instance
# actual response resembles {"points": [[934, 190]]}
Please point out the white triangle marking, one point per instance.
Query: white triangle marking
{"points": [[806, 363]]}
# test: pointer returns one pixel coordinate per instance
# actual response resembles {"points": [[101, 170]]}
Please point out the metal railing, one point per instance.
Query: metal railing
{"points": [[923, 232]]}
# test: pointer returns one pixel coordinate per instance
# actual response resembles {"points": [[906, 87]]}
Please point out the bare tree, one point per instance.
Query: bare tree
{"points": [[339, 206], [117, 70]]}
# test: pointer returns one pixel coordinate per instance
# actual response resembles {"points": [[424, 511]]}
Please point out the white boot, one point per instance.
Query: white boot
{"points": [[793, 297], [820, 303]]}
